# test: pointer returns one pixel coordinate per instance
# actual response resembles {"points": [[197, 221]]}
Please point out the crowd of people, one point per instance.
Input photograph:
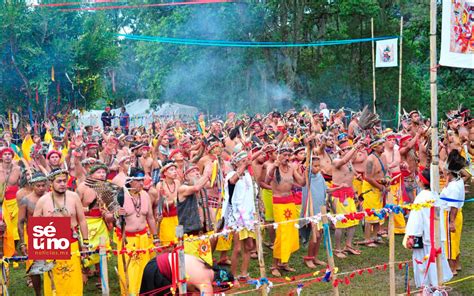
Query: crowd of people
{"points": [[228, 174]]}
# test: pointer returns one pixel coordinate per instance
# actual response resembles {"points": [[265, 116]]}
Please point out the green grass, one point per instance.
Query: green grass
{"points": [[375, 284]]}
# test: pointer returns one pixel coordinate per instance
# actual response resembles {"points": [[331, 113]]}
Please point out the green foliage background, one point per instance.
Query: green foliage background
{"points": [[105, 70]]}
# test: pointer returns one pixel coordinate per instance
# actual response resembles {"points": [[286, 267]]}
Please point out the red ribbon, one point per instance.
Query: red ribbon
{"points": [[433, 251]]}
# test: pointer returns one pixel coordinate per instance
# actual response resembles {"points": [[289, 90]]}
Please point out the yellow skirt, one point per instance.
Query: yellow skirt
{"points": [[245, 233], [136, 262], [199, 248], [372, 200], [168, 230], [12, 210], [67, 275], [25, 237], [267, 198], [97, 228], [453, 239], [399, 219], [357, 184], [8, 236], [286, 239], [224, 243], [345, 208]]}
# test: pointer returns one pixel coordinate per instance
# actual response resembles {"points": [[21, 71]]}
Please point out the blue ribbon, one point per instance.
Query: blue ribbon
{"points": [[327, 238], [102, 281], [456, 200]]}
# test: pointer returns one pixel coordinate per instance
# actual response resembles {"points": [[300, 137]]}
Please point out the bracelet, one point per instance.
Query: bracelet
{"points": [[156, 241], [85, 241], [155, 236]]}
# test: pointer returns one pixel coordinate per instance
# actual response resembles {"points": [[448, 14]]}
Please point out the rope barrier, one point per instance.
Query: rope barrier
{"points": [[223, 43]]}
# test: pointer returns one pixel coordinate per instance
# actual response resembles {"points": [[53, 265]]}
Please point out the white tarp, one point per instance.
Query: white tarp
{"points": [[457, 36], [141, 113]]}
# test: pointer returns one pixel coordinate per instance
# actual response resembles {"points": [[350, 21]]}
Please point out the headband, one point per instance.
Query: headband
{"points": [[38, 177], [50, 153], [423, 179], [7, 149], [97, 167], [238, 157], [56, 173]]}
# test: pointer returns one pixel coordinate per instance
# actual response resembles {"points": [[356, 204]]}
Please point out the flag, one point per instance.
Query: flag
{"points": [[457, 38], [52, 73], [386, 54]]}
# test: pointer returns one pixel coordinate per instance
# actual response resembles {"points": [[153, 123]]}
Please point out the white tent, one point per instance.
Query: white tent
{"points": [[140, 113]]}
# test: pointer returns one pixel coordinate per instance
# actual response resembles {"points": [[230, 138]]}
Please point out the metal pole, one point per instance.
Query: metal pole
{"points": [[434, 128], [400, 74], [373, 64]]}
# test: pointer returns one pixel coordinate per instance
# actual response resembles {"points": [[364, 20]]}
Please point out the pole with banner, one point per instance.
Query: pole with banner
{"points": [[373, 65], [400, 73]]}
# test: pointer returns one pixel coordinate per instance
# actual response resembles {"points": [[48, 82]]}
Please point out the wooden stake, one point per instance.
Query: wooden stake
{"points": [[181, 265], [104, 271], [434, 129], [373, 64], [335, 289], [400, 74], [391, 246]]}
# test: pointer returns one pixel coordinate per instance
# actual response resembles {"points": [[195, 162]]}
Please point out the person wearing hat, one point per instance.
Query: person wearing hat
{"points": [[166, 209], [343, 197], [266, 189], [106, 118], [409, 154], [193, 212], [136, 223], [239, 211], [299, 157], [53, 159], [92, 150], [109, 156], [326, 152], [354, 130], [60, 202], [26, 209], [282, 175], [177, 156], [146, 160], [452, 208], [124, 167], [375, 184], [9, 186], [417, 239], [95, 216]]}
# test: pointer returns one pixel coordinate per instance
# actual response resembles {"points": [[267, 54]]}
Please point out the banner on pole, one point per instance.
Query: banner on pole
{"points": [[457, 36], [387, 53]]}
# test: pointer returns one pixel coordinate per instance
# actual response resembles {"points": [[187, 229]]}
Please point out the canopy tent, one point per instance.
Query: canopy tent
{"points": [[141, 113]]}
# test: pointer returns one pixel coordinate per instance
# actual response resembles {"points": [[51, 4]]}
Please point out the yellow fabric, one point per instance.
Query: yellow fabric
{"points": [[267, 198], [245, 233], [224, 243], [399, 219], [97, 228], [67, 275], [25, 237], [200, 249], [453, 239], [286, 240], [12, 210], [8, 236], [136, 263], [372, 200], [357, 184], [26, 147], [345, 208], [48, 137], [168, 230], [298, 210]]}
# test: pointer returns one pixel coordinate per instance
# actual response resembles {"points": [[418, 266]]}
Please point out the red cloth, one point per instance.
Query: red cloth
{"points": [[171, 211], [164, 265], [93, 213], [343, 193], [10, 192], [297, 197], [118, 232], [283, 199], [111, 175]]}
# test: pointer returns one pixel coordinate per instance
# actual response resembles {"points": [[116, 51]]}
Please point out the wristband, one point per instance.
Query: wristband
{"points": [[155, 236]]}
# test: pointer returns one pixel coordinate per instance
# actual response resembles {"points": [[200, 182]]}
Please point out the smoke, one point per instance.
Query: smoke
{"points": [[223, 79]]}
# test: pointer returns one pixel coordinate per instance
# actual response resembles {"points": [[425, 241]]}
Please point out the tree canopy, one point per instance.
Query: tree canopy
{"points": [[93, 67]]}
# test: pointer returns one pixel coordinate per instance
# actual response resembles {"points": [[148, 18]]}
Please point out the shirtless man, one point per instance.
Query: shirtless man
{"points": [[136, 222], [9, 179], [121, 178], [282, 175], [166, 206], [266, 191], [178, 157], [409, 155], [375, 185], [146, 161], [343, 196], [61, 202], [326, 154], [109, 156], [353, 129], [26, 209], [95, 216], [392, 155]]}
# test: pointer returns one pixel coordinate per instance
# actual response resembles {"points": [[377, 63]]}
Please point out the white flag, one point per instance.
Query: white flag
{"points": [[386, 53], [457, 36]]}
